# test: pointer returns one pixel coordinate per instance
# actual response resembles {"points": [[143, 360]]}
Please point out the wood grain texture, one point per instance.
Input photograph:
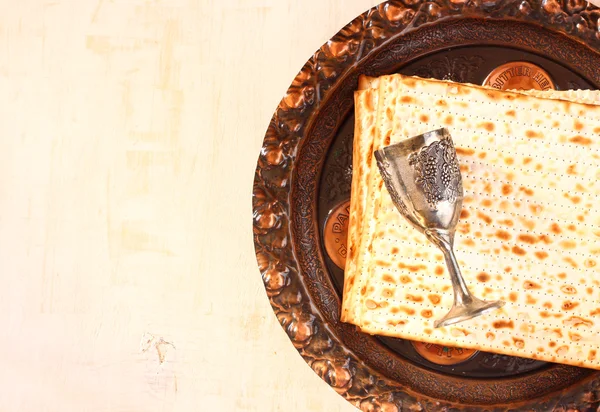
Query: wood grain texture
{"points": [[130, 133]]}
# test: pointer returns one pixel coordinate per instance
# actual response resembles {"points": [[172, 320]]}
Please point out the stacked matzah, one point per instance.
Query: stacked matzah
{"points": [[529, 233]]}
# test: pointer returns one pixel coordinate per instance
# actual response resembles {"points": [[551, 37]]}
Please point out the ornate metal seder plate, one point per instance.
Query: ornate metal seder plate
{"points": [[303, 176]]}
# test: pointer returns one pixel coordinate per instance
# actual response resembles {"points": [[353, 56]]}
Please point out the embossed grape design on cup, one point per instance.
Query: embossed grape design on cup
{"points": [[423, 178]]}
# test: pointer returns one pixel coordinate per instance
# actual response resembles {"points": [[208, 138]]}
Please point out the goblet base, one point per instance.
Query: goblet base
{"points": [[466, 311]]}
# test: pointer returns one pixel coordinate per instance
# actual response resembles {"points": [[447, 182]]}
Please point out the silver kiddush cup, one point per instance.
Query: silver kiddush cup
{"points": [[423, 178]]}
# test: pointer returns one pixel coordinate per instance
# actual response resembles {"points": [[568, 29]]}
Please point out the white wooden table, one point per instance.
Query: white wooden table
{"points": [[130, 134], [130, 131]]}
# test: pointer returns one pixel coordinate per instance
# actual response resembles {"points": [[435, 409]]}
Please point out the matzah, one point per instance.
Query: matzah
{"points": [[528, 235]]}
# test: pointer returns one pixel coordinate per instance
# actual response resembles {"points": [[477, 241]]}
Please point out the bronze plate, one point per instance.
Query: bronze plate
{"points": [[519, 76], [299, 172]]}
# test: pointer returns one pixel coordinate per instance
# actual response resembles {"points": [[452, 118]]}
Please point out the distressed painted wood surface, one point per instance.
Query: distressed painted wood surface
{"points": [[130, 131]]}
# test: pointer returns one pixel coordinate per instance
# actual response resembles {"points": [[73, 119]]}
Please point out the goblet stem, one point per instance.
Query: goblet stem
{"points": [[462, 295], [466, 306]]}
